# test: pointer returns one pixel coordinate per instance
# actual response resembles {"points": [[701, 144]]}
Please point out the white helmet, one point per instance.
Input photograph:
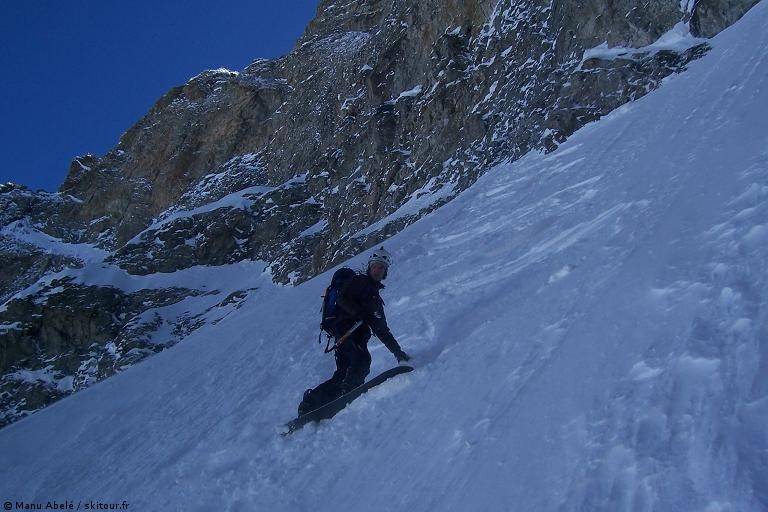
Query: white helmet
{"points": [[380, 255]]}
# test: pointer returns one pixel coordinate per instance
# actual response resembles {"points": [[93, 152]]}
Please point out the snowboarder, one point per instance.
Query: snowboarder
{"points": [[361, 305]]}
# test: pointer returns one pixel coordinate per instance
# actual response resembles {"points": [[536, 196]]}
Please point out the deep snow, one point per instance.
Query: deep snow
{"points": [[589, 331]]}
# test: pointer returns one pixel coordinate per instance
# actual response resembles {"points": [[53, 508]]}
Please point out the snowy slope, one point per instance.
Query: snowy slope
{"points": [[588, 326]]}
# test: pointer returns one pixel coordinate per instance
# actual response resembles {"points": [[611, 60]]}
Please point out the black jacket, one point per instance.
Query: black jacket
{"points": [[360, 300]]}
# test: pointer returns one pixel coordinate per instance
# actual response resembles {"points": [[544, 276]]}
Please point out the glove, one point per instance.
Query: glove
{"points": [[401, 356]]}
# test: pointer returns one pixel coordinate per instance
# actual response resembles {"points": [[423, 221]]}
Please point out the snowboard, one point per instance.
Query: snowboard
{"points": [[331, 408]]}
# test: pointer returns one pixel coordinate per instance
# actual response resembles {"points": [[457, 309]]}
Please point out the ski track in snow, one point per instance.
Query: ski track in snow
{"points": [[588, 329]]}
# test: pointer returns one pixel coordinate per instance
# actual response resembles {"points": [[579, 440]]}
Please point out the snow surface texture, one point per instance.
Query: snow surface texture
{"points": [[589, 332]]}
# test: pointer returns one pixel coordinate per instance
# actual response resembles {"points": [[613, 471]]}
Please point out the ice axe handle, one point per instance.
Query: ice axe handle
{"points": [[344, 338]]}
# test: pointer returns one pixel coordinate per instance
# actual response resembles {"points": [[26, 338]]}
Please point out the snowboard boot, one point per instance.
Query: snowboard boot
{"points": [[306, 403], [355, 377]]}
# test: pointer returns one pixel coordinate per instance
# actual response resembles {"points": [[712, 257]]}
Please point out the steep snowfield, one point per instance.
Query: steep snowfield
{"points": [[589, 331]]}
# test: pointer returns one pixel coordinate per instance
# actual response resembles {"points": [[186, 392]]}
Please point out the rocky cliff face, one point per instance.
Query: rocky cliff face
{"points": [[383, 111]]}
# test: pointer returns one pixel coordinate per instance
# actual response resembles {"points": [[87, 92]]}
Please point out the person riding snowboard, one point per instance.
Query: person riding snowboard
{"points": [[361, 305]]}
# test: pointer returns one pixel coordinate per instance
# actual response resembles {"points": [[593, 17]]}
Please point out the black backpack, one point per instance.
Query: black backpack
{"points": [[330, 311]]}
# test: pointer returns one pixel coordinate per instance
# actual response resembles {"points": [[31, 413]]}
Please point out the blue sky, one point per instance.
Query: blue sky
{"points": [[77, 74]]}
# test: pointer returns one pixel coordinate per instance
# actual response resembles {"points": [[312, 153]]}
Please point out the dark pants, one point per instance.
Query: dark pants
{"points": [[353, 362]]}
